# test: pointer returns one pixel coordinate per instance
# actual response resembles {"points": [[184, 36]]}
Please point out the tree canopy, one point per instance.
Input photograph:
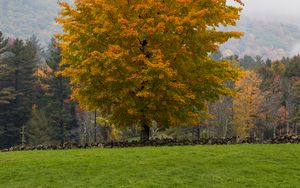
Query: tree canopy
{"points": [[147, 61]]}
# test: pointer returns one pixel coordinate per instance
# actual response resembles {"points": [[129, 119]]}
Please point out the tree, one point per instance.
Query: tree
{"points": [[3, 43], [247, 104], [59, 108], [147, 61], [6, 92], [296, 119], [20, 66], [37, 130], [222, 113], [247, 62]]}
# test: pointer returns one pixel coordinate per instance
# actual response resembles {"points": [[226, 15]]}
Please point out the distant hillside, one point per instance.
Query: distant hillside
{"points": [[265, 38], [22, 18], [269, 39]]}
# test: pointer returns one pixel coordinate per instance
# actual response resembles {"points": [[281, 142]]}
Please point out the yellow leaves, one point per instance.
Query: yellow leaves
{"points": [[150, 20], [129, 69], [108, 8], [191, 96], [95, 71], [247, 102], [110, 79], [177, 85], [172, 19], [194, 16], [71, 38], [129, 32], [180, 29], [60, 20], [194, 116], [126, 57], [161, 26], [161, 76], [140, 57], [98, 30], [179, 99], [122, 21], [145, 94], [184, 1], [66, 8], [132, 111], [115, 52], [96, 55]]}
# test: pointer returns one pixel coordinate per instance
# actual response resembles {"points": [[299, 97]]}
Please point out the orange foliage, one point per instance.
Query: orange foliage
{"points": [[146, 60]]}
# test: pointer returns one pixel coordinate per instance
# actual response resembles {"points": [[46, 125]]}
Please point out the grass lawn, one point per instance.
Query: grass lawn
{"points": [[188, 166]]}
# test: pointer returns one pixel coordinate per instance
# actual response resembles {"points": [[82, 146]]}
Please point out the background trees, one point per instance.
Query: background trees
{"points": [[247, 104], [20, 67], [6, 93], [59, 107]]}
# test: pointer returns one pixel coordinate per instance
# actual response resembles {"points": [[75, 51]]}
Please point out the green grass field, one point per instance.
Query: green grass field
{"points": [[189, 166]]}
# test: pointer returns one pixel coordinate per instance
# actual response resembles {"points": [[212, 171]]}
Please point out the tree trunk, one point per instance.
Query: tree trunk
{"points": [[287, 122], [95, 126], [145, 132], [226, 128], [198, 132], [23, 135], [62, 133], [207, 131]]}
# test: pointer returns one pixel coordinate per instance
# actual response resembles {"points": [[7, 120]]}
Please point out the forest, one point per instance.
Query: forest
{"points": [[36, 105]]}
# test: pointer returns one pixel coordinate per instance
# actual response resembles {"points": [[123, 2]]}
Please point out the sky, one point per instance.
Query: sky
{"points": [[270, 9]]}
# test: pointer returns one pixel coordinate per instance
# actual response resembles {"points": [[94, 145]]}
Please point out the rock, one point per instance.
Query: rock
{"points": [[40, 147]]}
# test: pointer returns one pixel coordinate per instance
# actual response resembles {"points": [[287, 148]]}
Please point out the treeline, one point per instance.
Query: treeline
{"points": [[267, 103], [36, 105], [35, 102]]}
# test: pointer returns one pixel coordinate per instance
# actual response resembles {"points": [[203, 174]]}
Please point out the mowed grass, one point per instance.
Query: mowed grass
{"points": [[187, 166]]}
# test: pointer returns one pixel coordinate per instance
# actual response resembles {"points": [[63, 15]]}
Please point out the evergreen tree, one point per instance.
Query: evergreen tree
{"points": [[37, 130], [3, 43], [20, 69], [6, 93], [60, 109]]}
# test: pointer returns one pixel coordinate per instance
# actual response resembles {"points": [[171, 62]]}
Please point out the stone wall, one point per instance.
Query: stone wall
{"points": [[292, 139]]}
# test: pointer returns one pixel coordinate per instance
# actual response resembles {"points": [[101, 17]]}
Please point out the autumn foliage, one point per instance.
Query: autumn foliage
{"points": [[247, 104], [147, 61]]}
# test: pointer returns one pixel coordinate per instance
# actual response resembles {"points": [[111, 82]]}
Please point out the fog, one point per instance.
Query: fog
{"points": [[281, 10], [286, 11], [275, 7]]}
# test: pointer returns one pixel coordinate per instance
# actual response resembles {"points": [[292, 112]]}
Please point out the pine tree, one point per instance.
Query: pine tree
{"points": [[20, 68], [60, 109], [6, 92], [37, 129]]}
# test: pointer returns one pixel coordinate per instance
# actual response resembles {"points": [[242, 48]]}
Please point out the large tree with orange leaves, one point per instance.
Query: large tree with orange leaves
{"points": [[144, 61]]}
